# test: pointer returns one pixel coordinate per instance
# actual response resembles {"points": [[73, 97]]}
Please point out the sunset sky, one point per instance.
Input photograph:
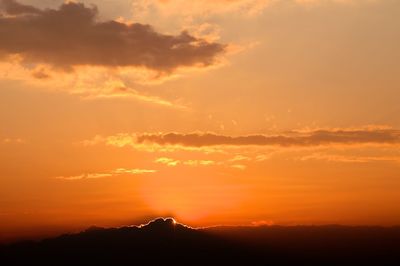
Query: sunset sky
{"points": [[211, 111]]}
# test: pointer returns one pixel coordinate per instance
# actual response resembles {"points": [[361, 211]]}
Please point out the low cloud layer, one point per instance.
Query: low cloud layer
{"points": [[313, 138], [72, 36]]}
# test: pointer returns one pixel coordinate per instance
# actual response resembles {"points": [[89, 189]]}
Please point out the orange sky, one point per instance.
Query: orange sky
{"points": [[214, 112]]}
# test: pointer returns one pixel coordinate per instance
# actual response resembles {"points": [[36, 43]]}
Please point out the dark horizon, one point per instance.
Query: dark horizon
{"points": [[164, 240], [52, 232]]}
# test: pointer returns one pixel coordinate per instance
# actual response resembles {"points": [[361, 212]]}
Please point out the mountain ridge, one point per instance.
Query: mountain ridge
{"points": [[163, 240]]}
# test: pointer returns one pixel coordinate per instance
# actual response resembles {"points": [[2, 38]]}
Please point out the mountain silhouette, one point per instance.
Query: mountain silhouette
{"points": [[164, 241], [162, 224]]}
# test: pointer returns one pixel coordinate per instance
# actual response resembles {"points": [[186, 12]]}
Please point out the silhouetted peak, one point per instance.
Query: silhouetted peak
{"points": [[161, 224]]}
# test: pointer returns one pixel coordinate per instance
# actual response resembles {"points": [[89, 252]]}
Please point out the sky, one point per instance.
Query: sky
{"points": [[235, 112]]}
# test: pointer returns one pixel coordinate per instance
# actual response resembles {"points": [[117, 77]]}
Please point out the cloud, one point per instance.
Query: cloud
{"points": [[209, 143], [90, 83], [12, 141], [116, 172], [200, 17], [195, 9], [240, 158], [239, 166], [122, 140], [199, 162], [173, 162], [119, 140], [198, 7], [305, 139], [121, 171], [12, 7], [349, 158], [72, 36], [122, 92], [167, 161], [262, 157], [196, 163]]}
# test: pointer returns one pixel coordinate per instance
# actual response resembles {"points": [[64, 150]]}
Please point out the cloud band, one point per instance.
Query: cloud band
{"points": [[313, 138]]}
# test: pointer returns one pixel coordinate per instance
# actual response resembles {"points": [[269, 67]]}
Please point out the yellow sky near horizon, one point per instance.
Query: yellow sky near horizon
{"points": [[214, 112]]}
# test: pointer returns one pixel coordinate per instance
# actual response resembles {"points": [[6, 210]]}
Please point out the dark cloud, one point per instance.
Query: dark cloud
{"points": [[72, 36], [314, 138], [11, 7]]}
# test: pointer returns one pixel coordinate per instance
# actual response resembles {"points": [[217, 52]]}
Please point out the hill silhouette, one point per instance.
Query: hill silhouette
{"points": [[164, 241]]}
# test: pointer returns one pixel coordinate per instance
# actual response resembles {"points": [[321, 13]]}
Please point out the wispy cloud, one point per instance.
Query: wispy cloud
{"points": [[238, 158], [167, 161], [199, 162], [136, 171], [116, 172], [128, 93], [239, 166], [12, 141], [142, 8], [174, 162], [170, 162], [348, 158]]}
